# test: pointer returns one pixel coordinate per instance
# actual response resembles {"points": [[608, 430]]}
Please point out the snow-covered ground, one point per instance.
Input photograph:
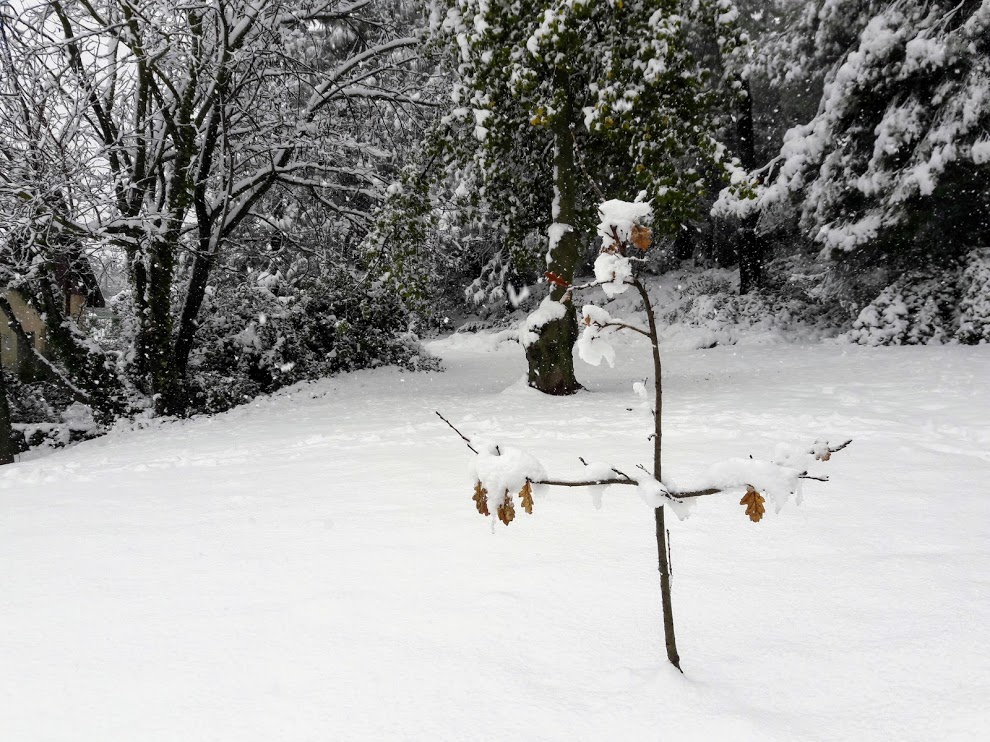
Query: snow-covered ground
{"points": [[311, 567]]}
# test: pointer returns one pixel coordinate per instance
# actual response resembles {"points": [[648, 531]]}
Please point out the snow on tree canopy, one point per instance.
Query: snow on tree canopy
{"points": [[903, 119]]}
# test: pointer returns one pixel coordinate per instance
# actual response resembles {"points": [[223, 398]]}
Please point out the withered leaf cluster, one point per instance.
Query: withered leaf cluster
{"points": [[526, 498], [641, 237], [481, 498], [753, 501], [506, 510]]}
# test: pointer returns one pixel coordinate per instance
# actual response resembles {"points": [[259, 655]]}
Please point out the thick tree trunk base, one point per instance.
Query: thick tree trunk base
{"points": [[752, 256], [551, 358], [7, 449]]}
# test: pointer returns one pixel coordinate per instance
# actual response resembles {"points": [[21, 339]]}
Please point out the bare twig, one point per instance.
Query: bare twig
{"points": [[463, 437], [622, 474], [583, 483], [623, 326], [837, 448]]}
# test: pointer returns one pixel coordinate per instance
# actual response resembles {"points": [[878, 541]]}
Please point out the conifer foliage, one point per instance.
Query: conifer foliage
{"points": [[614, 91], [897, 157]]}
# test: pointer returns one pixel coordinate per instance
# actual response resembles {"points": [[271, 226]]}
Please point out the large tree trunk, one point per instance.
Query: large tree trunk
{"points": [[752, 255], [551, 357], [551, 360], [6, 432], [751, 248]]}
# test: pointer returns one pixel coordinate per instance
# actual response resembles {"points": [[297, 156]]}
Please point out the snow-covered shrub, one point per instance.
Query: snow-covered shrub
{"points": [[43, 413], [974, 303], [917, 309], [263, 334], [709, 283], [784, 307], [36, 401]]}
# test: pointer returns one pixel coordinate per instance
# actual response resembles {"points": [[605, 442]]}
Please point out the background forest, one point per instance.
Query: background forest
{"points": [[250, 194]]}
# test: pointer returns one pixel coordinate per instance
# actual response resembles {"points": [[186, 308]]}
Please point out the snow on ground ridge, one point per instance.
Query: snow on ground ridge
{"points": [[289, 569]]}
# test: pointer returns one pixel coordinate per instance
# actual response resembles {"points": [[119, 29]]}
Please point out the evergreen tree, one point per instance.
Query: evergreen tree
{"points": [[550, 87], [894, 165]]}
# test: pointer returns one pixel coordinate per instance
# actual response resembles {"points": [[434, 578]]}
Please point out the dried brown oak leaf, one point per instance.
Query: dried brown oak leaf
{"points": [[824, 456], [642, 237], [526, 498], [753, 501], [506, 511], [481, 498]]}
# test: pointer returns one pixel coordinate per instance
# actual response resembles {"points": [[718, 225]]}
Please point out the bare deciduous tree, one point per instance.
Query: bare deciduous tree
{"points": [[162, 129]]}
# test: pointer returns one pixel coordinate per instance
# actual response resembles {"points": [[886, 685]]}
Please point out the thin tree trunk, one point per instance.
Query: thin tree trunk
{"points": [[7, 450], [663, 561], [551, 357]]}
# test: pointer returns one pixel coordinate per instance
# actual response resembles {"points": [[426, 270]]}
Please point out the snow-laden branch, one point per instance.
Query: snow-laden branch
{"points": [[507, 470]]}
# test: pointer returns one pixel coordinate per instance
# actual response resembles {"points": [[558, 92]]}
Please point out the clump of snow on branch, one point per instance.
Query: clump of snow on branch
{"points": [[617, 218], [613, 272], [597, 470], [548, 311], [655, 494], [591, 345], [505, 475], [776, 481], [778, 478], [503, 468], [618, 221]]}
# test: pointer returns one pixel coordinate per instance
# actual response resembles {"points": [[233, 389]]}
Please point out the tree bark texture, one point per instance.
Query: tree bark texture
{"points": [[6, 431], [551, 357], [551, 360], [750, 246]]}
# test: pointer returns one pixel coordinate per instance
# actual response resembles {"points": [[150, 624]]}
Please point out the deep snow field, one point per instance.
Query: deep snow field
{"points": [[311, 566]]}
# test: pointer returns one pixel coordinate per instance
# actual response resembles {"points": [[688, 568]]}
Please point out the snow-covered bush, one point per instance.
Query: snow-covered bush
{"points": [[43, 413], [786, 307], [892, 165], [917, 309], [260, 335], [974, 303]]}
